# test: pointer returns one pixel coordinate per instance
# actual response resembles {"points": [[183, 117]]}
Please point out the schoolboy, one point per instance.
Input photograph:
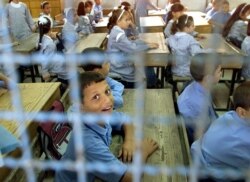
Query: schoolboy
{"points": [[226, 143], [98, 11], [103, 67], [216, 5], [97, 98], [195, 103]]}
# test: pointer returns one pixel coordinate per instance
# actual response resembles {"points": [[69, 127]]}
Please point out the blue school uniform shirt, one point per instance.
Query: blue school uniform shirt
{"points": [[98, 12], [84, 25], [225, 144], [238, 31], [167, 30], [97, 140], [119, 44], [69, 35], [8, 142], [117, 89], [20, 20], [221, 18], [195, 104], [183, 46], [210, 13], [245, 46]]}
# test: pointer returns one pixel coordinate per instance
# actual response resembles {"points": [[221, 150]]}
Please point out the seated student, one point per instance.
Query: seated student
{"points": [[195, 102], [103, 67], [98, 11], [46, 10], [84, 26], [47, 47], [183, 45], [20, 20], [96, 98], [175, 12], [235, 29], [132, 31], [69, 34], [118, 43], [216, 5], [226, 143], [245, 46], [219, 19]]}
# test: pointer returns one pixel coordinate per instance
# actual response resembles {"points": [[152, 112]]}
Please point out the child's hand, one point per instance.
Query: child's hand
{"points": [[149, 146], [127, 151]]}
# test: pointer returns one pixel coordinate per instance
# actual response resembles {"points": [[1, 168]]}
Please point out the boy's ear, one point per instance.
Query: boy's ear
{"points": [[241, 112]]}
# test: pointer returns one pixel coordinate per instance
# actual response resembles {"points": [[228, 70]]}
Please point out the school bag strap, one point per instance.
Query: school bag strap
{"points": [[53, 134]]}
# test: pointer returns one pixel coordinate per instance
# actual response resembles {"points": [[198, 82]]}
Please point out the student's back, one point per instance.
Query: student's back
{"points": [[226, 143], [245, 46]]}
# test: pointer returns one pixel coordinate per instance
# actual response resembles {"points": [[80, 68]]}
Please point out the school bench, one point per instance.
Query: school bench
{"points": [[35, 97], [158, 110]]}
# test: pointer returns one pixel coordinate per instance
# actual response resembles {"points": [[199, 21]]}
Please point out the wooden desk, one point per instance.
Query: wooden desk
{"points": [[35, 97], [152, 12], [201, 24], [92, 40], [101, 27], [173, 150], [28, 45], [152, 24], [156, 57]]}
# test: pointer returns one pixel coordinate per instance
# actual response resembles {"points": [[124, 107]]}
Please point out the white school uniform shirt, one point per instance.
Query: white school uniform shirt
{"points": [[245, 46], [238, 30], [48, 48], [119, 44], [84, 25], [20, 20], [183, 46]]}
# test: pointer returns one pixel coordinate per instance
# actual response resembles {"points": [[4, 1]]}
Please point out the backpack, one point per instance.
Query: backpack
{"points": [[52, 135]]}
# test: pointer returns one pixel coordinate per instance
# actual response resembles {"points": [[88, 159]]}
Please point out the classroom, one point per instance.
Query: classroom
{"points": [[124, 90]]}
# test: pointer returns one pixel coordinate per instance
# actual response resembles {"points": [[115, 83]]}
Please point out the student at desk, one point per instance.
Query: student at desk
{"points": [[183, 45], [216, 5], [235, 29], [118, 43], [19, 18], [46, 10], [98, 11], [195, 102], [103, 67], [84, 26], [96, 98], [226, 144], [69, 34]]}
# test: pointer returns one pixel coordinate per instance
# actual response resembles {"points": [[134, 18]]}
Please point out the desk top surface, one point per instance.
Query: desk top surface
{"points": [[103, 23], [152, 21], [158, 105], [92, 40], [35, 97], [28, 45], [157, 37]]}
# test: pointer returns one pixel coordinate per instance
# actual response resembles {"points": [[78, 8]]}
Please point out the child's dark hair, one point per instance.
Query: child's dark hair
{"points": [[241, 96], [117, 14], [88, 78], [240, 10], [44, 27], [43, 4], [174, 8], [126, 4], [182, 22], [248, 28], [81, 9], [95, 57], [203, 64], [88, 4]]}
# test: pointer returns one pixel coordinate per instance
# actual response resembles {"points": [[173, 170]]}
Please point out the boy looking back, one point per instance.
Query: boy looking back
{"points": [[96, 98]]}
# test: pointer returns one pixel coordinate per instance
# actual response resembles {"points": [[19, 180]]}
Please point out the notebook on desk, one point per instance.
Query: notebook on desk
{"points": [[8, 142]]}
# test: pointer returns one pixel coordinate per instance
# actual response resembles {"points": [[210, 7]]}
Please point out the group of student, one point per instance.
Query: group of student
{"points": [[224, 142]]}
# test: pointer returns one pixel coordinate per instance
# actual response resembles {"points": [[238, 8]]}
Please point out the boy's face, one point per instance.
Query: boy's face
{"points": [[47, 9], [98, 98]]}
